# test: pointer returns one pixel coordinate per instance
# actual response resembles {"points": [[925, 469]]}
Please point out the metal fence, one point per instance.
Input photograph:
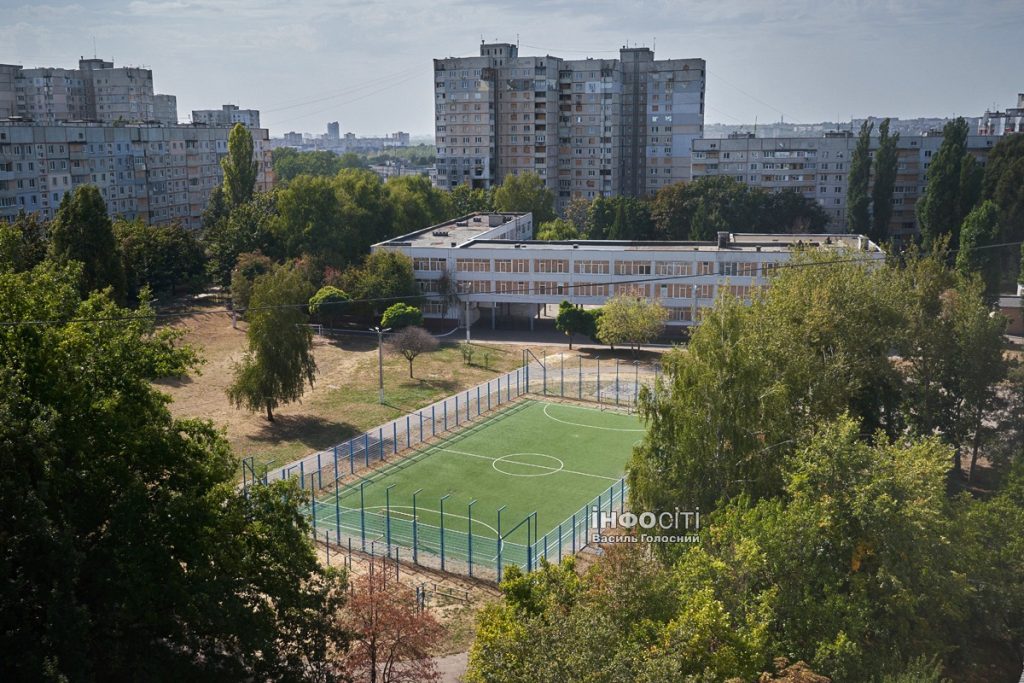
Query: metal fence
{"points": [[324, 468], [450, 549], [330, 472], [611, 381]]}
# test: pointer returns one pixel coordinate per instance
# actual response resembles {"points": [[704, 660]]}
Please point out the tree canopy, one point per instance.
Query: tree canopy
{"points": [[129, 552], [630, 321], [525, 192], [279, 360], [240, 166], [82, 231]]}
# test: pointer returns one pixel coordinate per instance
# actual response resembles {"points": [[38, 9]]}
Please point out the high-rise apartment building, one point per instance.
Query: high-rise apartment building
{"points": [[1004, 122], [161, 174], [818, 168], [227, 115], [588, 127], [333, 130], [165, 109], [95, 91]]}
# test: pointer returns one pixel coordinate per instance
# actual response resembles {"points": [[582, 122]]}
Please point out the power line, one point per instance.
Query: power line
{"points": [[436, 295]]}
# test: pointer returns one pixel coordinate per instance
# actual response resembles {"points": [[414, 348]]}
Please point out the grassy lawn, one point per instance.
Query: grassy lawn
{"points": [[343, 401]]}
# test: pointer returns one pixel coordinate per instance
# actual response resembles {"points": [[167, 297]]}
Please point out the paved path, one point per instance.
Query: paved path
{"points": [[452, 667]]}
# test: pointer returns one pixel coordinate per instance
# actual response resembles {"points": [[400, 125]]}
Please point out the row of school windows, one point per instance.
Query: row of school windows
{"points": [[660, 291], [675, 313], [597, 267]]}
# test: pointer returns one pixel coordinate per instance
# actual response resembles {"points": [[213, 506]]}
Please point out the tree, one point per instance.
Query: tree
{"points": [[631, 320], [939, 208], [979, 231], [23, 242], [161, 257], [401, 315], [558, 229], [632, 219], [465, 200], [310, 220], [82, 231], [1003, 183], [577, 212], [385, 277], [240, 167], [410, 342], [249, 267], [572, 320], [790, 211], [172, 572], [858, 199], [417, 203], [279, 360], [886, 165], [328, 304], [244, 228], [392, 641], [526, 192]]}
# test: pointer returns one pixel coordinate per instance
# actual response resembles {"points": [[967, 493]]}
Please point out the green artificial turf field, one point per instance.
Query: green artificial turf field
{"points": [[552, 459]]}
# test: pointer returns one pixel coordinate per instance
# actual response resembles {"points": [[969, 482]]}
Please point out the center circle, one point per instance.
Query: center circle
{"points": [[552, 466]]}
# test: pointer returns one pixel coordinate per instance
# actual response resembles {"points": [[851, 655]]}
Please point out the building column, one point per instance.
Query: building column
{"points": [[493, 309]]}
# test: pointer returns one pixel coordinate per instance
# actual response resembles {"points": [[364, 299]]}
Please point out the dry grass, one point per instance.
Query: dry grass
{"points": [[342, 403]]}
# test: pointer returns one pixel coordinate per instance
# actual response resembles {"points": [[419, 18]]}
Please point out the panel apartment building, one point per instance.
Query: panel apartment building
{"points": [[588, 127], [95, 91], [161, 174], [818, 167], [499, 272]]}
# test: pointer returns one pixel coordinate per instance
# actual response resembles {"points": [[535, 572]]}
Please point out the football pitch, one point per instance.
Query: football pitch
{"points": [[532, 469]]}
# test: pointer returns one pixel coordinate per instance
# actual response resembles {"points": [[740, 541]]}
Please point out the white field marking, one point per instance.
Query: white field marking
{"points": [[551, 470], [530, 464], [578, 424], [436, 512]]}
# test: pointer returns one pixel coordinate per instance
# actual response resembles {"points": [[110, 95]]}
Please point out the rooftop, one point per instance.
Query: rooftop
{"points": [[458, 231], [735, 242]]}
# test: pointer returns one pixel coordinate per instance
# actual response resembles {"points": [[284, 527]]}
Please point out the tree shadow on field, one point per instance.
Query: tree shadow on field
{"points": [[314, 432]]}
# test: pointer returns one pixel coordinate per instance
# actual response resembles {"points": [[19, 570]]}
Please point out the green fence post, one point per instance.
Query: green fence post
{"points": [[408, 431], [380, 441], [312, 496], [559, 543], [387, 517], [445, 406], [456, 410], [421, 426], [433, 421], [415, 537], [319, 473], [366, 449], [478, 400], [499, 542], [469, 514], [362, 515], [574, 533], [351, 456], [529, 545], [337, 512], [442, 528]]}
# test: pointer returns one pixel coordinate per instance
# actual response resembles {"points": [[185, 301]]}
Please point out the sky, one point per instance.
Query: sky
{"points": [[368, 64]]}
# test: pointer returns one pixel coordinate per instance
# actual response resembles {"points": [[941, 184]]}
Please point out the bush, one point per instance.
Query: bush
{"points": [[401, 315]]}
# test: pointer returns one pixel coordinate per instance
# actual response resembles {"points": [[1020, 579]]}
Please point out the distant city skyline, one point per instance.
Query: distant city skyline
{"points": [[368, 66]]}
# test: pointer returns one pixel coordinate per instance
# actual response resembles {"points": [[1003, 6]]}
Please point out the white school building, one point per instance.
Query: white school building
{"points": [[499, 272]]}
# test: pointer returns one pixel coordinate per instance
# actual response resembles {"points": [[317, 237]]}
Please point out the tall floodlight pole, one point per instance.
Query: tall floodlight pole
{"points": [[415, 544], [380, 360]]}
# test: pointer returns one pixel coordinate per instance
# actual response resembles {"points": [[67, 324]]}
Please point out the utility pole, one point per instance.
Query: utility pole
{"points": [[380, 360], [467, 322]]}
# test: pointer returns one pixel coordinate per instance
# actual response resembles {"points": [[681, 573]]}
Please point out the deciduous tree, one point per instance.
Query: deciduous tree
{"points": [[401, 315], [392, 641], [526, 192], [279, 361], [240, 167], [328, 304], [558, 229], [82, 231], [410, 342], [631, 321], [886, 165], [572, 320], [858, 199], [940, 210]]}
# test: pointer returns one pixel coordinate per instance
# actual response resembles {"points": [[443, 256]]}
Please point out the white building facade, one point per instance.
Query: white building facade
{"points": [[498, 271]]}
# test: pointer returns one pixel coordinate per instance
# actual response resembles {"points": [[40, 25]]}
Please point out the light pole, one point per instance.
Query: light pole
{"points": [[498, 555], [443, 498], [380, 360]]}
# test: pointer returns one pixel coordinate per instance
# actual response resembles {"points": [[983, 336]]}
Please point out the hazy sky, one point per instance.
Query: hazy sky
{"points": [[368, 64]]}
